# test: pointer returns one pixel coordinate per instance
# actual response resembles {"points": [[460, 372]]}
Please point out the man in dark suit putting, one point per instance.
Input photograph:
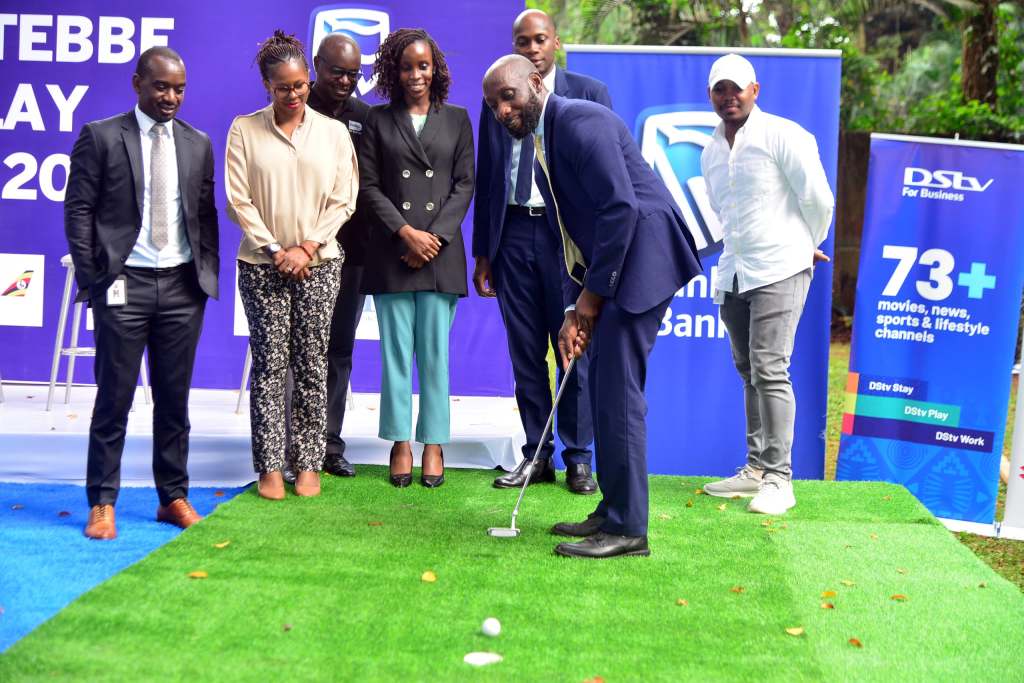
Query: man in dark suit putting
{"points": [[142, 229], [627, 251], [517, 260]]}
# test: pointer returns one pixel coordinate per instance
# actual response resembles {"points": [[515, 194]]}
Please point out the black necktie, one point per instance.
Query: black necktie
{"points": [[524, 178]]}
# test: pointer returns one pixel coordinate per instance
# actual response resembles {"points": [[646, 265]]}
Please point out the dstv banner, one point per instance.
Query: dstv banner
{"points": [[935, 324], [68, 62], [696, 423]]}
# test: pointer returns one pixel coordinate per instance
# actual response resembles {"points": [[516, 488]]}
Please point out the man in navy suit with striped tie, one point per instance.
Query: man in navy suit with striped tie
{"points": [[627, 251], [517, 260]]}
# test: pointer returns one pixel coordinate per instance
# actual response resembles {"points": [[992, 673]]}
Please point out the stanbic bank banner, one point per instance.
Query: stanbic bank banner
{"points": [[938, 300], [695, 422]]}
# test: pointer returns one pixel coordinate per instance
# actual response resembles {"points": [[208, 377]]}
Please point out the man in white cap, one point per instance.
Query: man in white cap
{"points": [[766, 184]]}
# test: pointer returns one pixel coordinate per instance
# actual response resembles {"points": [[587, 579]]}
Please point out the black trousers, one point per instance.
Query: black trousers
{"points": [[527, 273], [348, 309], [164, 312]]}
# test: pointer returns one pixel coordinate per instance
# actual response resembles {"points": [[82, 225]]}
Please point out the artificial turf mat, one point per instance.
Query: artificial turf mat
{"points": [[330, 589]]}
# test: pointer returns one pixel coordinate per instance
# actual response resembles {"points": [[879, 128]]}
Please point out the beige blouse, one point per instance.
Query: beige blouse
{"points": [[289, 190]]}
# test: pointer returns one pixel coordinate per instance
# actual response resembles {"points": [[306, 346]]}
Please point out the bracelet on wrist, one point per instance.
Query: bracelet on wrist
{"points": [[311, 255]]}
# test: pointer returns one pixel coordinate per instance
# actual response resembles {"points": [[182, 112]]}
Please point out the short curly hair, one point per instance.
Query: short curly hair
{"points": [[388, 66], [277, 49]]}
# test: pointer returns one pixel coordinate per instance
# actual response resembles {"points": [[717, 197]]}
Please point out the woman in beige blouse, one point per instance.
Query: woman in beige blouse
{"points": [[292, 182]]}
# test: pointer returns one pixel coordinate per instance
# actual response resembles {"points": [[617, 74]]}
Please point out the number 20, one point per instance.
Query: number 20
{"points": [[937, 287]]}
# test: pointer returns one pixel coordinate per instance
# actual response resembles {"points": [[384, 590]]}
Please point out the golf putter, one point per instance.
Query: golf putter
{"points": [[512, 531]]}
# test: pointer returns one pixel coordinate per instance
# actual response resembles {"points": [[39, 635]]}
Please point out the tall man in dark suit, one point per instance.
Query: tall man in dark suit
{"points": [[337, 66], [518, 260], [142, 229], [627, 251]]}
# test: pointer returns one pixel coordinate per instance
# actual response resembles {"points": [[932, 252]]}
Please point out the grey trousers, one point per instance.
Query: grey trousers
{"points": [[762, 327]]}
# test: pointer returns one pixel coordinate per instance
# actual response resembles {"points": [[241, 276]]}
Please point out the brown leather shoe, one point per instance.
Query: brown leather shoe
{"points": [[271, 486], [180, 513], [101, 523], [307, 483]]}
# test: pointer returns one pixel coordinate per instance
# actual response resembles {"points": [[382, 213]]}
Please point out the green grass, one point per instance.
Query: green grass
{"points": [[330, 589], [1005, 556]]}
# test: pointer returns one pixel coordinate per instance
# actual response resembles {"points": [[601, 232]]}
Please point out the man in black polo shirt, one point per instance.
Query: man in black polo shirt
{"points": [[337, 63]]}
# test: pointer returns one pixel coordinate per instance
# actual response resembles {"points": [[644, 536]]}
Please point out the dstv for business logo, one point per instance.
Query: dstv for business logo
{"points": [[368, 26], [672, 138], [940, 184]]}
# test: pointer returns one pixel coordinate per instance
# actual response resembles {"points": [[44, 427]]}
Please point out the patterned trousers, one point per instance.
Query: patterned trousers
{"points": [[289, 325]]}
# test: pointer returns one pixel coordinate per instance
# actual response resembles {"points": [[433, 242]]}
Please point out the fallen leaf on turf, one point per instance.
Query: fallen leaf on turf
{"points": [[827, 605], [682, 602], [222, 544], [218, 494], [847, 583], [428, 577], [767, 522], [795, 631], [63, 513], [595, 679], [482, 658], [886, 497], [855, 642], [664, 516], [286, 627], [874, 537], [699, 492], [737, 589], [736, 497], [828, 594], [899, 597], [375, 523], [197, 575], [17, 506], [689, 503], [901, 570], [721, 508], [982, 585]]}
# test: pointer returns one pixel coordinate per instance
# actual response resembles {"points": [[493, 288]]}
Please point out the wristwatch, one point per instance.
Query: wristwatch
{"points": [[271, 249]]}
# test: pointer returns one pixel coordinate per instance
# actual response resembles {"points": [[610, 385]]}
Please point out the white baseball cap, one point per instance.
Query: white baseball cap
{"points": [[732, 67]]}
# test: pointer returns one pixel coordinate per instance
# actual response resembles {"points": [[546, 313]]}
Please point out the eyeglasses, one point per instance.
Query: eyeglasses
{"points": [[283, 91], [338, 72]]}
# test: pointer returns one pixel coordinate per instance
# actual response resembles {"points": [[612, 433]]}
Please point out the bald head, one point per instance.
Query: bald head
{"points": [[337, 64], [514, 91], [534, 37]]}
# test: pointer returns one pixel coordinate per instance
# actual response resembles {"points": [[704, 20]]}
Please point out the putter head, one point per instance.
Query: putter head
{"points": [[503, 532]]}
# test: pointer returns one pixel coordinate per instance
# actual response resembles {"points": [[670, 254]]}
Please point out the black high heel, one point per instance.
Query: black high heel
{"points": [[432, 481], [398, 480]]}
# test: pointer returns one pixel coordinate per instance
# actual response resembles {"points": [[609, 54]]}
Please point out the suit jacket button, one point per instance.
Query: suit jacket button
{"points": [[406, 206], [430, 206], [429, 173], [406, 173]]}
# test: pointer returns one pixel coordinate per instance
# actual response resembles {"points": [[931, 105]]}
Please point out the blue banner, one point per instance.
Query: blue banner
{"points": [[696, 423], [935, 324]]}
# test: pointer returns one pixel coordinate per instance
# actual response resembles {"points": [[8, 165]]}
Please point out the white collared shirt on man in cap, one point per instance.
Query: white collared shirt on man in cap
{"points": [[769, 191]]}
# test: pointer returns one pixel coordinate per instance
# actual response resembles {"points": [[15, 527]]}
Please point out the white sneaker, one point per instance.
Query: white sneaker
{"points": [[744, 484], [774, 498]]}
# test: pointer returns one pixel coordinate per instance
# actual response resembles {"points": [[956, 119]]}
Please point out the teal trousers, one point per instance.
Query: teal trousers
{"points": [[415, 323]]}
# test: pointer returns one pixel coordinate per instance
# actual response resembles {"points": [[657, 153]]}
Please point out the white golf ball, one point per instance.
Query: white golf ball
{"points": [[491, 627]]}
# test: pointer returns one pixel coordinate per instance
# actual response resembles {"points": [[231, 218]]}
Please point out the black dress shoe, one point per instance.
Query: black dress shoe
{"points": [[288, 472], [579, 479], [602, 545], [432, 481], [588, 527], [543, 472], [336, 464], [401, 479]]}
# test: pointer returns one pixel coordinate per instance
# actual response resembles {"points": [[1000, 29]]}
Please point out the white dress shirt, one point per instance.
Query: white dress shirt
{"points": [[517, 147], [772, 197], [177, 250]]}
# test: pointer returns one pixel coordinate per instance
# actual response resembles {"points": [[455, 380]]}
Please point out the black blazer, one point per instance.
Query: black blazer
{"points": [[103, 203], [426, 182]]}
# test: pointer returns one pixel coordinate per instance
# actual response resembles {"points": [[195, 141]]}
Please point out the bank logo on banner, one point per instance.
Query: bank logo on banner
{"points": [[367, 26], [21, 290], [671, 141]]}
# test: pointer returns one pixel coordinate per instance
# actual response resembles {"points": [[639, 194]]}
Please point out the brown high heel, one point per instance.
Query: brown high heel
{"points": [[432, 481]]}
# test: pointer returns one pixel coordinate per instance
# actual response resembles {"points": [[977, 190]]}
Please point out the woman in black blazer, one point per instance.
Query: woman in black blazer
{"points": [[416, 181]]}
